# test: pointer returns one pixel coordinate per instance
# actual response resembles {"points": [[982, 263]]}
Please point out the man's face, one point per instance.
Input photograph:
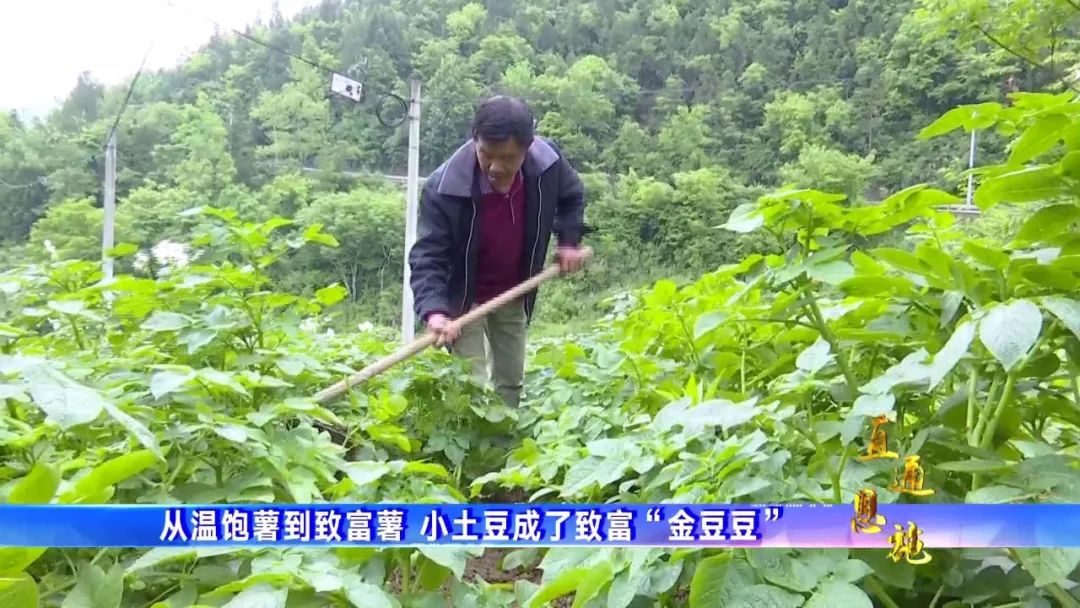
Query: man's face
{"points": [[500, 161]]}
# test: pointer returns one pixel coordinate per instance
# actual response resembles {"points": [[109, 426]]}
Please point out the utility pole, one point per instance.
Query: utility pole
{"points": [[109, 204], [412, 204], [971, 165]]}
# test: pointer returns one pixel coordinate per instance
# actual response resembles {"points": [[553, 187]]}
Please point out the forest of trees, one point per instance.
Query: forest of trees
{"points": [[675, 111]]}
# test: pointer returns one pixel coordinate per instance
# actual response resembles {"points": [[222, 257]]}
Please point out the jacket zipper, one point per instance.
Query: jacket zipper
{"points": [[468, 244], [539, 210]]}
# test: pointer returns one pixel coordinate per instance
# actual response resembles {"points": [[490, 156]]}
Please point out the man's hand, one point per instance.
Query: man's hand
{"points": [[445, 330], [571, 259]]}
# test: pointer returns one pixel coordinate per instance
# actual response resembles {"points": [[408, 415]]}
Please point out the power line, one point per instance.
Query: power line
{"points": [[127, 97], [384, 93]]}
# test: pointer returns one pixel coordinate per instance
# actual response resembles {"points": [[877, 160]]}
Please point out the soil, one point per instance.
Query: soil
{"points": [[488, 568]]}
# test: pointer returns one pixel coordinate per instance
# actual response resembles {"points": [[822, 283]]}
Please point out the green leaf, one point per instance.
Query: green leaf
{"points": [[951, 354], [833, 594], [851, 571], [994, 495], [1023, 186], [566, 582], [314, 234], [745, 218], [873, 405], [19, 591], [366, 595], [96, 589], [109, 473], [875, 285], [833, 273], [365, 472], [966, 116], [136, 428], [1037, 139], [63, 400], [975, 465], [592, 582], [123, 250], [816, 356], [764, 596], [717, 579], [161, 555], [36, 487], [708, 322], [1009, 331], [1049, 566], [260, 596], [452, 558], [165, 321], [779, 568], [168, 381], [994, 258], [14, 560], [1049, 222], [68, 307], [1066, 310], [328, 296]]}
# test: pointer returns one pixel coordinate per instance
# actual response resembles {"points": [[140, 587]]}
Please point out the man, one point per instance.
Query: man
{"points": [[486, 217]]}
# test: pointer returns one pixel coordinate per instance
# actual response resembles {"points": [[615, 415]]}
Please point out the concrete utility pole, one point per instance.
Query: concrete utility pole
{"points": [[412, 205], [109, 204], [971, 165]]}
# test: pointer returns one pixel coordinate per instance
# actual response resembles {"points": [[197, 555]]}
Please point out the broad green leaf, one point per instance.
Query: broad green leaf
{"points": [[745, 218], [814, 357], [764, 596], [708, 322], [68, 307], [314, 234], [452, 558], [1049, 222], [432, 575], [950, 304], [14, 560], [1066, 310], [833, 273], [259, 596], [876, 285], [592, 582], [873, 405], [975, 465], [328, 296], [951, 354], [1009, 331], [1049, 566], [366, 595], [833, 594], [970, 116], [136, 428], [123, 250], [164, 382], [851, 571], [1023, 186], [63, 400], [993, 495], [165, 321], [1037, 139], [717, 579], [779, 568], [109, 473], [96, 589], [566, 582], [365, 472], [994, 258], [36, 487], [18, 591], [161, 555]]}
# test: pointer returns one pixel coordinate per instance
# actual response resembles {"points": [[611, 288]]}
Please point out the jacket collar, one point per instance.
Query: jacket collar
{"points": [[459, 171]]}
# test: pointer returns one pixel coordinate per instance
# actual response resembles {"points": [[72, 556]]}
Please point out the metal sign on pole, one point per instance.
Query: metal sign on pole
{"points": [[109, 205], [412, 204]]}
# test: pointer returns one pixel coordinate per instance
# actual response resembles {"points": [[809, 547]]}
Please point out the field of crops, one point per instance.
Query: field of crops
{"points": [[756, 383]]}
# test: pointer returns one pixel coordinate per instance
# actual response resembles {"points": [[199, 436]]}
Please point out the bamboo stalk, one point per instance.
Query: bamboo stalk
{"points": [[332, 393]]}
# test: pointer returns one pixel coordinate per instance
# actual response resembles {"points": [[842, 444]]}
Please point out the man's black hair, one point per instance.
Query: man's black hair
{"points": [[501, 117]]}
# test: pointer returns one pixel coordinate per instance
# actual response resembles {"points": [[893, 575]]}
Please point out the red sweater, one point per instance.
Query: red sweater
{"points": [[501, 238]]}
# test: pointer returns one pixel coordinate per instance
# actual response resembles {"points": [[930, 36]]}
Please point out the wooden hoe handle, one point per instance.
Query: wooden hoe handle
{"points": [[332, 393]]}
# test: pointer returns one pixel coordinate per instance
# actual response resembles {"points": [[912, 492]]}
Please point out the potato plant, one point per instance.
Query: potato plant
{"points": [[756, 383]]}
